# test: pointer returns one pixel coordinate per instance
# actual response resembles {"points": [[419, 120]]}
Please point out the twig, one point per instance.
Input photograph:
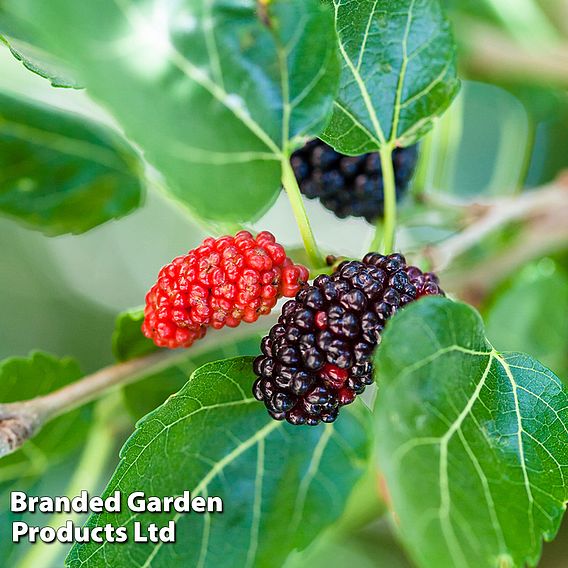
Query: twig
{"points": [[490, 53], [545, 235], [20, 421], [543, 210], [543, 213]]}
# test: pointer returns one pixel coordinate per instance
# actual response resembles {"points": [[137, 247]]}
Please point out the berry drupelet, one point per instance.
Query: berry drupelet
{"points": [[349, 186], [222, 282], [318, 356]]}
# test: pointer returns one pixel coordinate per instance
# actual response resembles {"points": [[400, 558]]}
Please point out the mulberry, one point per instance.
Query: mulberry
{"points": [[318, 356], [349, 186], [222, 282]]}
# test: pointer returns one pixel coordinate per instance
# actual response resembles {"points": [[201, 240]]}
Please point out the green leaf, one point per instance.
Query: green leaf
{"points": [[60, 173], [398, 73], [40, 63], [128, 341], [281, 485], [473, 442], [541, 327], [216, 93], [24, 378], [373, 547]]}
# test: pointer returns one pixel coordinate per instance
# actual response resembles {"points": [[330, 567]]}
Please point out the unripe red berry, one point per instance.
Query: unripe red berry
{"points": [[220, 283]]}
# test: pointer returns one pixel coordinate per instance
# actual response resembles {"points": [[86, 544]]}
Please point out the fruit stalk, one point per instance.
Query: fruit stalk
{"points": [[386, 227], [295, 197]]}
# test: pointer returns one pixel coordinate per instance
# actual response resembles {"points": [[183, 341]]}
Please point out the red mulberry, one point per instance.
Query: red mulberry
{"points": [[222, 282]]}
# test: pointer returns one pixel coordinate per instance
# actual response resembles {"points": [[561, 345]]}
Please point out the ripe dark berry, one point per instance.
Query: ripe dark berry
{"points": [[349, 186], [318, 356], [222, 282]]}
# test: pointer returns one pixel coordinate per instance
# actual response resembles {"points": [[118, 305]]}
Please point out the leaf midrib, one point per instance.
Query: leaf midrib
{"points": [[379, 137], [60, 143], [360, 83], [520, 445], [402, 75]]}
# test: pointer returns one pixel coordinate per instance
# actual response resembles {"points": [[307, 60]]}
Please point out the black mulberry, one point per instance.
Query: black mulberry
{"points": [[318, 356], [349, 186]]}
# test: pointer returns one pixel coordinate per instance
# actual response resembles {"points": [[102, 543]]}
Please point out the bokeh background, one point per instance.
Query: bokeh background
{"points": [[507, 132]]}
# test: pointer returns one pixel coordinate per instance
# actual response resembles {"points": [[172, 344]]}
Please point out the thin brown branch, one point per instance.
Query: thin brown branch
{"points": [[489, 52], [543, 211], [542, 236], [15, 430], [20, 421]]}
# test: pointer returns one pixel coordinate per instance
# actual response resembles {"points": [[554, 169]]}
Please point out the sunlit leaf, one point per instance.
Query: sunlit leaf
{"points": [[40, 63], [216, 93]]}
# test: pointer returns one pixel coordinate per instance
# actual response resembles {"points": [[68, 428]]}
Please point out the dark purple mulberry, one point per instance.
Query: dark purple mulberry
{"points": [[349, 186], [318, 356]]}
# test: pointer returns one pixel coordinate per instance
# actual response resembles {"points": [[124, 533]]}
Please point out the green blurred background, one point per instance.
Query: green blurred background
{"points": [[506, 132]]}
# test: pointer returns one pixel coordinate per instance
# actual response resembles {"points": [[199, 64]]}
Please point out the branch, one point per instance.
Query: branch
{"points": [[540, 237], [20, 421], [542, 213], [489, 52]]}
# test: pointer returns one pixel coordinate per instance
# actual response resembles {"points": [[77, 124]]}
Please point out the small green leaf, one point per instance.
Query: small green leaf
{"points": [[281, 485], [399, 73], [24, 378], [216, 93], [128, 342], [473, 442], [40, 63], [60, 173]]}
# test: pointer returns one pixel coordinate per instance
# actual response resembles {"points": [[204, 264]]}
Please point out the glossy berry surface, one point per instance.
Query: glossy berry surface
{"points": [[222, 282], [349, 186], [318, 357]]}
